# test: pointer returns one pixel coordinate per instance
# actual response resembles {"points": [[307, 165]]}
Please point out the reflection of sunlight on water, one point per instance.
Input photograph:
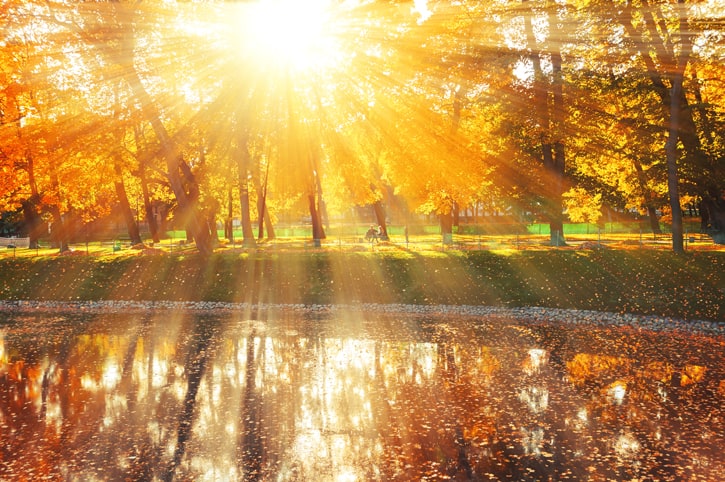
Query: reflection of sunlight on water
{"points": [[537, 399], [626, 446], [334, 404], [533, 440], [157, 378], [536, 359], [616, 392], [426, 359], [53, 413], [662, 392], [346, 409], [216, 385], [178, 388], [111, 374], [216, 470], [116, 406], [580, 421]]}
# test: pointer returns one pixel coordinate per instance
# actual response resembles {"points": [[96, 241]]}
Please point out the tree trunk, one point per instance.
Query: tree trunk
{"points": [[648, 198], [268, 221], [681, 125], [654, 221], [260, 217], [149, 208], [185, 188], [553, 206], [211, 222], [676, 130], [379, 211], [557, 169], [321, 208], [549, 110], [247, 231], [672, 175], [243, 177], [712, 213], [229, 223], [125, 207], [446, 223], [58, 234], [33, 224], [317, 205], [262, 210], [318, 232], [31, 212]]}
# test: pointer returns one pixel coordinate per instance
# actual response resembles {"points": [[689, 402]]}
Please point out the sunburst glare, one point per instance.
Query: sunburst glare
{"points": [[296, 35]]}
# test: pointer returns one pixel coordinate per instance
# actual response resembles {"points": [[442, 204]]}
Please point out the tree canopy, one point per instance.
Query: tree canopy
{"points": [[250, 110]]}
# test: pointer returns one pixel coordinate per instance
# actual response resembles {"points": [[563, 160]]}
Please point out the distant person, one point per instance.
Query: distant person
{"points": [[371, 234]]}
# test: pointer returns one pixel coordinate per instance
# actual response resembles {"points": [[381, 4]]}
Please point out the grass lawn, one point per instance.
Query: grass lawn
{"points": [[647, 281]]}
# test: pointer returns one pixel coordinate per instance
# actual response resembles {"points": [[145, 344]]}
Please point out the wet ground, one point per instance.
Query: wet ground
{"points": [[183, 395]]}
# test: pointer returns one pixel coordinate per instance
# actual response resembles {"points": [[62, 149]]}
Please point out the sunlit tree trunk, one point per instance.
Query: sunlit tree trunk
{"points": [[268, 221], [265, 219], [176, 170], [31, 212], [648, 199], [672, 176], [211, 221], [318, 231], [125, 207], [33, 222], [148, 207], [549, 106], [262, 210], [243, 178], [59, 236], [712, 215], [379, 211], [229, 221], [558, 166], [315, 202], [681, 124], [446, 222], [247, 232], [676, 127], [178, 173], [321, 206]]}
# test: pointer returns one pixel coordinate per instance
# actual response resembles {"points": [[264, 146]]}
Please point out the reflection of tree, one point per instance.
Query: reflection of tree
{"points": [[159, 397], [251, 447], [197, 358], [21, 426]]}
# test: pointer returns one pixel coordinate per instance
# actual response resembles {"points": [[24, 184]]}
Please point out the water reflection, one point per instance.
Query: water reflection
{"points": [[181, 396]]}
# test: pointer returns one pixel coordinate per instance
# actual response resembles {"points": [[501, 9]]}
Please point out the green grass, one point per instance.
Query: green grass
{"points": [[691, 286]]}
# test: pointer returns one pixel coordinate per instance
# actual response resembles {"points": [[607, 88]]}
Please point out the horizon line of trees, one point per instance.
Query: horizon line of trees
{"points": [[557, 108]]}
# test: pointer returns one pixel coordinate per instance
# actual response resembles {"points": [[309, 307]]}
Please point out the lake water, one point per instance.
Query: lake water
{"points": [[184, 395]]}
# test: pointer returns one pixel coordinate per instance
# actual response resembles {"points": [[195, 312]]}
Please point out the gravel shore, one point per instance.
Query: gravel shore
{"points": [[522, 314]]}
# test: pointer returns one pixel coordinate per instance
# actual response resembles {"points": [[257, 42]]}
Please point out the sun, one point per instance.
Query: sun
{"points": [[295, 34]]}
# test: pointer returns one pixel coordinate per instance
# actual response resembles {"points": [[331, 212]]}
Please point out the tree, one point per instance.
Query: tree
{"points": [[115, 47], [663, 37]]}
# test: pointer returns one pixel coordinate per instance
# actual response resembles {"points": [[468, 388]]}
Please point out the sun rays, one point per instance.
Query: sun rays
{"points": [[297, 35]]}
